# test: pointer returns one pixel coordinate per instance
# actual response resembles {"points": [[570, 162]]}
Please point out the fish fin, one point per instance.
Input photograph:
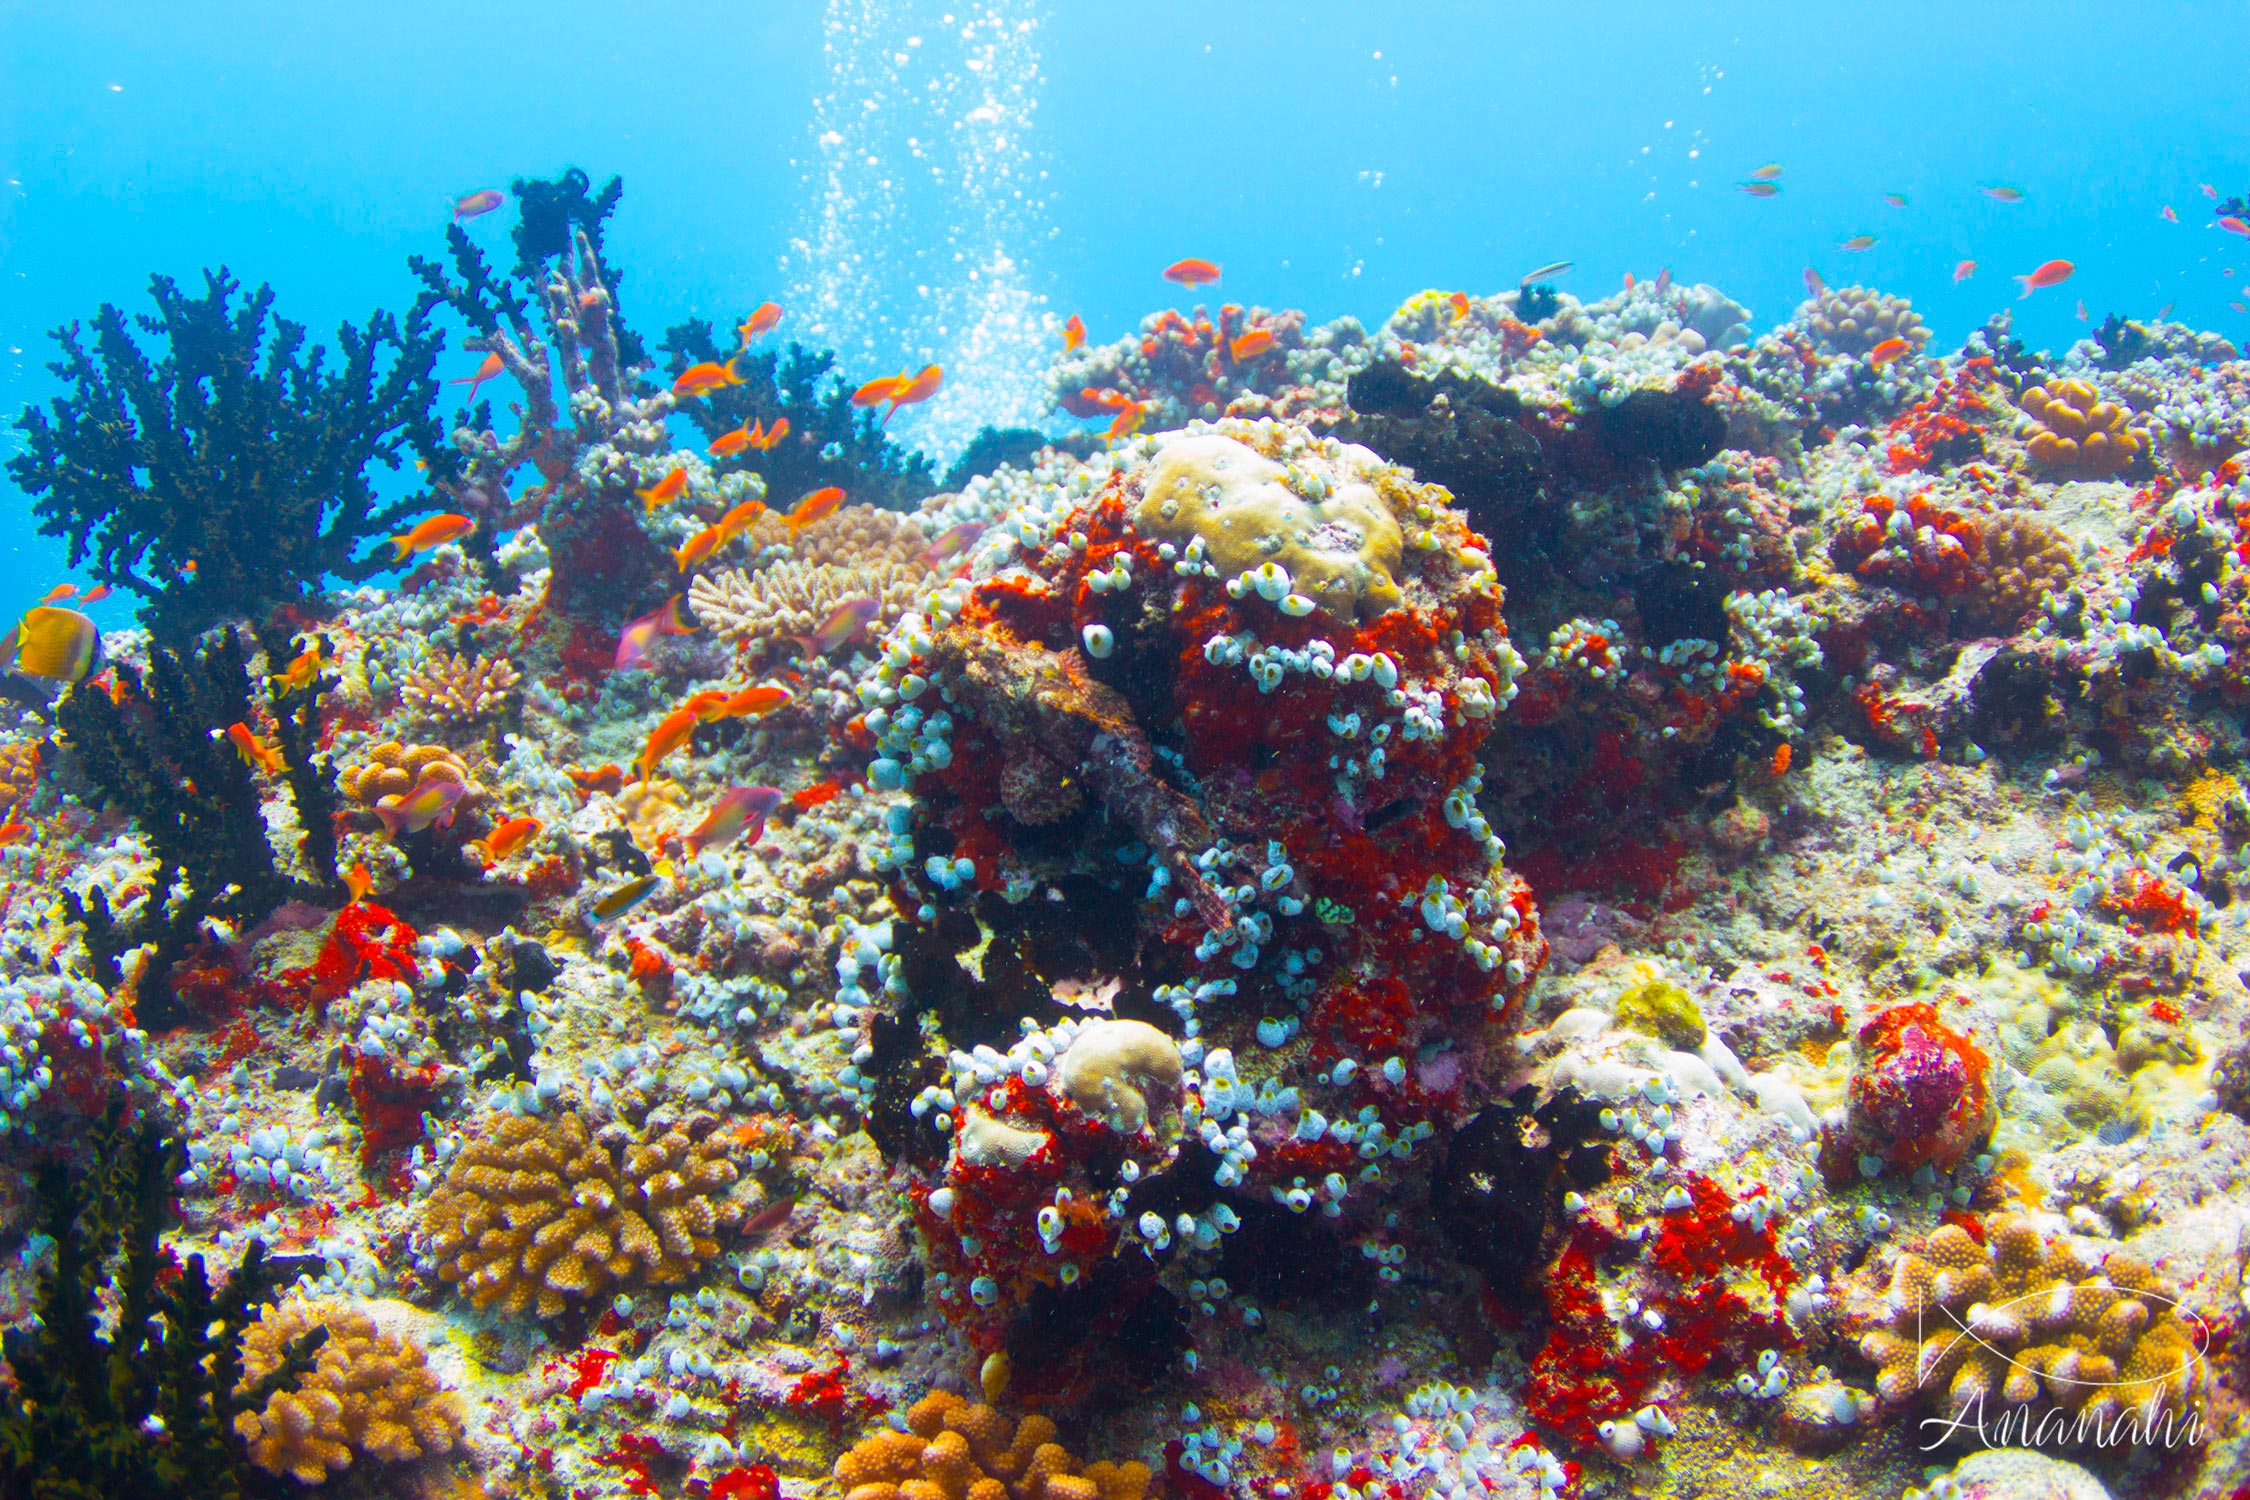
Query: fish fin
{"points": [[393, 819], [400, 543], [2025, 283]]}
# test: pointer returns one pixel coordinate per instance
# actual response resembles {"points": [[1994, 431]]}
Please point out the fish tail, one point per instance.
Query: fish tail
{"points": [[393, 820], [2025, 283], [401, 544]]}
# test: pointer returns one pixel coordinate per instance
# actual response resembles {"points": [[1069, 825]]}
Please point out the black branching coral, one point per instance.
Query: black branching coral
{"points": [[142, 1405], [830, 441], [158, 748], [231, 474]]}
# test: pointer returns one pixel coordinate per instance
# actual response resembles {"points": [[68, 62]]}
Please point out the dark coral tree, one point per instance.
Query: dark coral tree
{"points": [[231, 474], [553, 325], [830, 442], [137, 1399]]}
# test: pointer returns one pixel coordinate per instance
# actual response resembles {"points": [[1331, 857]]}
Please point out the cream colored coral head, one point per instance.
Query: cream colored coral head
{"points": [[1321, 519]]}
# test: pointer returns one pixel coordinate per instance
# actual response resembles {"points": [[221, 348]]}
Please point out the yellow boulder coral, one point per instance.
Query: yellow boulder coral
{"points": [[1320, 519], [952, 1450], [2074, 432], [369, 1395]]}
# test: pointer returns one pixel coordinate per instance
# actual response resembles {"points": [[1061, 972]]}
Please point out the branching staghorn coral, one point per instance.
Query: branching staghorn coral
{"points": [[368, 1395], [230, 475], [855, 534], [952, 1450], [453, 689], [543, 1214], [2021, 1323]]}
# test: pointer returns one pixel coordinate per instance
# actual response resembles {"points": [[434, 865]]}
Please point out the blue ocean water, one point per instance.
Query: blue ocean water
{"points": [[924, 181]]}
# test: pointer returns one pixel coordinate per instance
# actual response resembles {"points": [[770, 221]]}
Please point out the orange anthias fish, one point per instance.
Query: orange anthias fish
{"points": [[605, 779], [634, 642], [1192, 272], [704, 378], [706, 705], [878, 391], [2003, 193], [697, 549], [844, 621], [58, 593], [765, 442], [302, 672], [671, 732], [473, 204], [1247, 346], [742, 517], [1814, 286], [728, 444], [818, 505], [1768, 172], [1459, 302], [913, 392], [2233, 225], [1888, 350], [2053, 273], [664, 491], [1895, 200], [1779, 765], [256, 753], [505, 840], [358, 882], [1857, 242], [430, 804], [1964, 271], [1758, 188], [491, 367], [2169, 216], [96, 594], [740, 810], [1074, 333], [760, 321], [433, 531], [2081, 313], [1128, 420], [756, 701]]}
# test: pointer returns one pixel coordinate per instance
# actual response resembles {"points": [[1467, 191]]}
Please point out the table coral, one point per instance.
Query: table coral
{"points": [[542, 1214], [370, 1395], [2104, 1355], [448, 688], [952, 1450], [764, 613], [2072, 431]]}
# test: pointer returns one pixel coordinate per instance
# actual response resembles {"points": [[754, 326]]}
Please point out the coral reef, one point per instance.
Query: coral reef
{"points": [[541, 1215], [368, 1396], [765, 613]]}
